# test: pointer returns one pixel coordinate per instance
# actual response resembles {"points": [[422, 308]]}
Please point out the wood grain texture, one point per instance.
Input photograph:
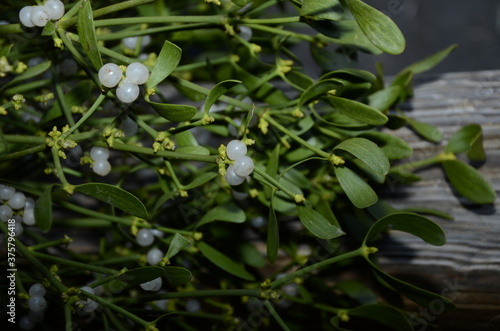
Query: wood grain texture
{"points": [[467, 268]]}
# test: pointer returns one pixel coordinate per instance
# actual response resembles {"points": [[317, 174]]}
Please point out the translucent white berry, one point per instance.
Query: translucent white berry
{"points": [[153, 285], [236, 149], [30, 203], [129, 127], [37, 303], [17, 201], [26, 323], [18, 229], [25, 17], [154, 256], [5, 213], [258, 222], [243, 166], [29, 216], [102, 167], [137, 73], [39, 16], [99, 153], [110, 75], [55, 9], [87, 289], [193, 305], [232, 178], [37, 289], [145, 237], [131, 42], [6, 192], [89, 306], [127, 91], [245, 33]]}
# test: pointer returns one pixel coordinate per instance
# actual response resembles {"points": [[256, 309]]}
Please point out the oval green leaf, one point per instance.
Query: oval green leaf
{"points": [[318, 89], [469, 182], [87, 34], [167, 61], [27, 74], [385, 98], [200, 180], [226, 213], [368, 152], [356, 189], [431, 61], [174, 113], [114, 196], [223, 262], [468, 139], [425, 130], [141, 275], [316, 223], [377, 27], [217, 91], [176, 245], [358, 111], [322, 10], [393, 147], [177, 276], [273, 235]]}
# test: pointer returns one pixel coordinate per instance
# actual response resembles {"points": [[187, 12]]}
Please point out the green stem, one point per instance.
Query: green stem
{"points": [[22, 139], [295, 137], [135, 33], [277, 31], [322, 264], [78, 265], [417, 164], [276, 316], [22, 153], [277, 20], [64, 105], [160, 20], [58, 166], [274, 182], [63, 24], [204, 293], [63, 241], [87, 115], [25, 87]]}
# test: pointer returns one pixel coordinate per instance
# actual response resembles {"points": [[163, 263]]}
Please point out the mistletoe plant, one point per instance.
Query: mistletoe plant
{"points": [[172, 165]]}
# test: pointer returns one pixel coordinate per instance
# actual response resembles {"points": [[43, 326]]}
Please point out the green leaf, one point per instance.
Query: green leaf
{"points": [[405, 82], [114, 196], [393, 147], [351, 75], [378, 28], [385, 98], [357, 291], [177, 276], [141, 275], [6, 50], [368, 152], [468, 139], [250, 255], [167, 61], [385, 315], [273, 235], [431, 61], [417, 225], [299, 79], [316, 223], [469, 182], [226, 213], [49, 29], [429, 211], [223, 262], [217, 91], [174, 112], [425, 130], [201, 179], [318, 89], [176, 245], [87, 34], [43, 209], [358, 111], [161, 200], [356, 189], [322, 10], [27, 74]]}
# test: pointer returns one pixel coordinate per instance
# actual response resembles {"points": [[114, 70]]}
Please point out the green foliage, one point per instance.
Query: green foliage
{"points": [[321, 147]]}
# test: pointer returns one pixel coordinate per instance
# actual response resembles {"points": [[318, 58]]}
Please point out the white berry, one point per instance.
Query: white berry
{"points": [[129, 127], [236, 149], [153, 285], [18, 229], [29, 216], [245, 33], [243, 166], [30, 203], [89, 306], [25, 16], [232, 178], [5, 213], [37, 289], [137, 73], [102, 167], [37, 303], [55, 9], [39, 16], [127, 91], [131, 42], [110, 75], [6, 192], [99, 153], [192, 305], [145, 237], [17, 201], [154, 256]]}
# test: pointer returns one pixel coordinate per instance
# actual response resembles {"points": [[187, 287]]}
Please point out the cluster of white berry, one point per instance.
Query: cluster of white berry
{"points": [[100, 156], [31, 16], [243, 165], [88, 305], [37, 305], [16, 201], [110, 75]]}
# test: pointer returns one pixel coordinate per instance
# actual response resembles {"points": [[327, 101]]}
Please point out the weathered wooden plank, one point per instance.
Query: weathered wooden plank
{"points": [[467, 268]]}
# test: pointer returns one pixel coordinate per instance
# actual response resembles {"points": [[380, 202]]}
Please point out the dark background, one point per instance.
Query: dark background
{"points": [[430, 26]]}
